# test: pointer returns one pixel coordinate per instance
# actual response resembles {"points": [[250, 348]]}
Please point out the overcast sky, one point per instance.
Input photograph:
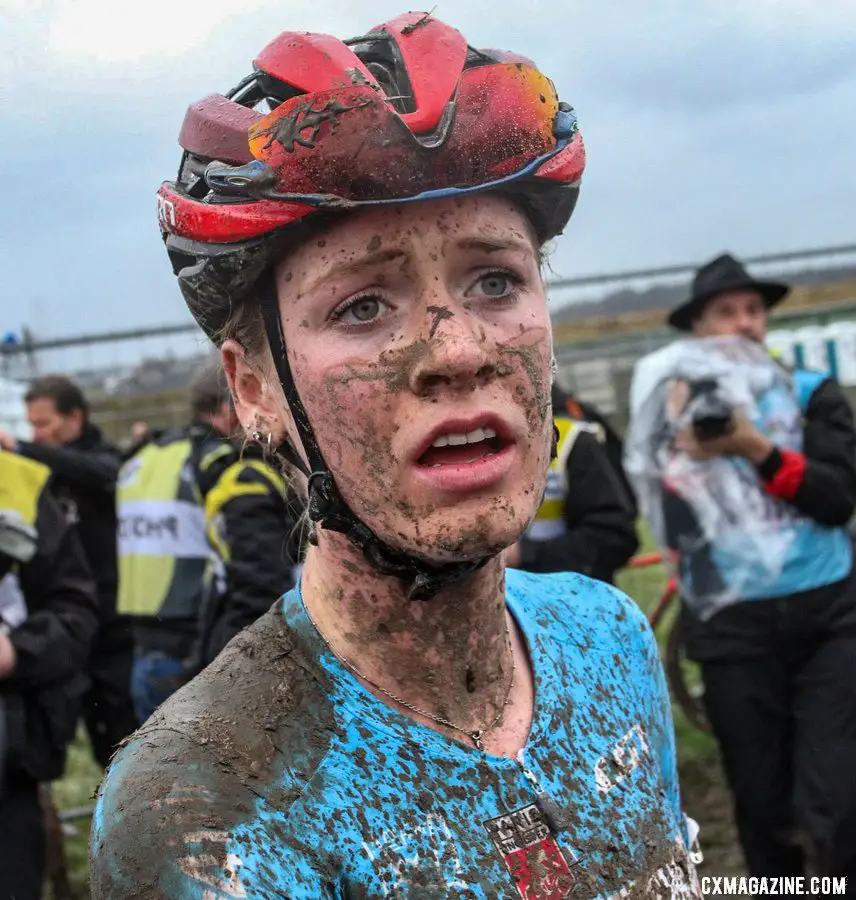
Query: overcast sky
{"points": [[708, 125]]}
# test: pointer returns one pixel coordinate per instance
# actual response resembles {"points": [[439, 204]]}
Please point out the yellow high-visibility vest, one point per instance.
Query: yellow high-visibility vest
{"points": [[162, 547], [22, 482], [550, 521]]}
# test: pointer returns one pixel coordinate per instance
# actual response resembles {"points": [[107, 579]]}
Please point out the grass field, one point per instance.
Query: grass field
{"points": [[704, 794]]}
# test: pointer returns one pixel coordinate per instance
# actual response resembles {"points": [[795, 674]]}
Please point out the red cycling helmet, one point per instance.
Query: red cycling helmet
{"points": [[404, 113]]}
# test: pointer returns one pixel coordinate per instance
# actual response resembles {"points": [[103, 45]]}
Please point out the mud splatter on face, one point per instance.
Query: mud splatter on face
{"points": [[532, 360], [373, 391], [439, 313]]}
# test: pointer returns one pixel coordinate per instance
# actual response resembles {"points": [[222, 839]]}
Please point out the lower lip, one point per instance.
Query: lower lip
{"points": [[468, 477]]}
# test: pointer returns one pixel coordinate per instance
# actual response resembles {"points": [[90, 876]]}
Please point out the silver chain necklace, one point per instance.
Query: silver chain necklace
{"points": [[475, 736]]}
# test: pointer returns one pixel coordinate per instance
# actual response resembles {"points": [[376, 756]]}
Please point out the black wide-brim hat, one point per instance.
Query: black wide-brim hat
{"points": [[719, 276]]}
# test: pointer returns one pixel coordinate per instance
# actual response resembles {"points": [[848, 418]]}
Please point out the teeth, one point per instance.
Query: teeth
{"points": [[458, 440]]}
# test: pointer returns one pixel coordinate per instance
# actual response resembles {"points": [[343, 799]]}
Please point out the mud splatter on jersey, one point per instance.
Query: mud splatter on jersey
{"points": [[275, 774]]}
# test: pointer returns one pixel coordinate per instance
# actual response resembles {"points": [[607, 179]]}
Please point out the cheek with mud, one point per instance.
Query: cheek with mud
{"points": [[352, 413], [530, 360]]}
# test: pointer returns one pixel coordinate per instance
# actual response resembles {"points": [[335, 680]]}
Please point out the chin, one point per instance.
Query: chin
{"points": [[467, 530]]}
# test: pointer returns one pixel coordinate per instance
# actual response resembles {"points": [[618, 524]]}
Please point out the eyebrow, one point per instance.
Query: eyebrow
{"points": [[493, 245], [337, 270], [483, 245]]}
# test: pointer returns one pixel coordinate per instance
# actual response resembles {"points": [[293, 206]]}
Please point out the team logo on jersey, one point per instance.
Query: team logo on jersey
{"points": [[540, 868]]}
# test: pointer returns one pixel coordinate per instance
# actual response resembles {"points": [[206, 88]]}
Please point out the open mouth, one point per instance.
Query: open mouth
{"points": [[462, 449]]}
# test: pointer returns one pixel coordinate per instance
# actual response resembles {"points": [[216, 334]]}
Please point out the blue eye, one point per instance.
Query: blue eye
{"points": [[361, 310], [495, 284], [365, 309]]}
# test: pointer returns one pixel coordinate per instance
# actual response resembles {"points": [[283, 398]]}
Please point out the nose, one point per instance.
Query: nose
{"points": [[746, 325], [457, 355]]}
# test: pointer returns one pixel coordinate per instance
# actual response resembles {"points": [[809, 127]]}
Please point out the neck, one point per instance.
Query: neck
{"points": [[449, 655]]}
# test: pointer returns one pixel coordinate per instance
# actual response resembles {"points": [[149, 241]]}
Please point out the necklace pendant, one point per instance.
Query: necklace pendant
{"points": [[476, 737], [556, 817]]}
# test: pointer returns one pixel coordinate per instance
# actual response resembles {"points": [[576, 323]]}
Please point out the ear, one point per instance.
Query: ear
{"points": [[78, 418], [256, 398]]}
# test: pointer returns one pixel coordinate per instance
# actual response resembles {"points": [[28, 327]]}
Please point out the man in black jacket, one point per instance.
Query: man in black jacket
{"points": [[611, 441], [779, 658], [251, 518], [85, 468], [48, 618], [586, 522]]}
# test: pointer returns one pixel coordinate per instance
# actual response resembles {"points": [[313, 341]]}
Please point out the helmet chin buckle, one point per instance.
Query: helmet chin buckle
{"points": [[322, 495]]}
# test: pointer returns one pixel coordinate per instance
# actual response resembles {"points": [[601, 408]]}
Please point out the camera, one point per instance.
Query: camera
{"points": [[711, 416]]}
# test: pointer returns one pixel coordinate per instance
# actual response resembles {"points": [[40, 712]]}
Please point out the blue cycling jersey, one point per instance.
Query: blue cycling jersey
{"points": [[275, 774]]}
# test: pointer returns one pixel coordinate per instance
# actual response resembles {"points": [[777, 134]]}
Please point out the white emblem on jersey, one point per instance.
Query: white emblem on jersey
{"points": [[613, 767]]}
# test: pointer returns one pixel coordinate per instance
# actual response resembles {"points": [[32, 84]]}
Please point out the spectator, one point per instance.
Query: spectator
{"points": [[84, 468], [252, 523], [609, 437], [48, 618], [163, 551], [755, 499], [586, 522]]}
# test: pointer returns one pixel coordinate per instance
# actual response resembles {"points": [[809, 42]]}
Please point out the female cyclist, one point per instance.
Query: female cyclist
{"points": [[359, 226]]}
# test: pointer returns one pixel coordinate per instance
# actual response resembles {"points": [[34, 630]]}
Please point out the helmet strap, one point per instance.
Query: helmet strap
{"points": [[325, 505]]}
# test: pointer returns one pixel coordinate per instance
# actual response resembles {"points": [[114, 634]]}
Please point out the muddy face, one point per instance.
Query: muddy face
{"points": [[420, 343]]}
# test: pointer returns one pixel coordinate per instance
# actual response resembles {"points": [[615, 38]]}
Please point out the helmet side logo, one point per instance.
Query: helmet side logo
{"points": [[166, 212]]}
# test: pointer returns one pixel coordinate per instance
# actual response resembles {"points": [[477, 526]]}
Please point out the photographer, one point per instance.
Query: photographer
{"points": [[48, 618], [755, 500]]}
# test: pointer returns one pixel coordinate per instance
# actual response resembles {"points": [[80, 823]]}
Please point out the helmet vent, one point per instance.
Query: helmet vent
{"points": [[262, 93], [386, 79]]}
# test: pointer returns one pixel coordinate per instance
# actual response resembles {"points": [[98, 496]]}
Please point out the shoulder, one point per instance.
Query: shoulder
{"points": [[808, 383], [263, 683], [92, 440], [215, 452], [581, 610], [211, 760], [244, 478], [251, 471], [212, 456], [820, 396]]}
